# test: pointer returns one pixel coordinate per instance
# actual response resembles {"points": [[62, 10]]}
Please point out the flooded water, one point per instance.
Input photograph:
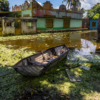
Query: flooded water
{"points": [[83, 41]]}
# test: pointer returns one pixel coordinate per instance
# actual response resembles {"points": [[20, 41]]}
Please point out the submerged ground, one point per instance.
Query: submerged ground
{"points": [[55, 84]]}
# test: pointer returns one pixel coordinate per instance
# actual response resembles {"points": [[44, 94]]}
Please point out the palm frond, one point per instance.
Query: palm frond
{"points": [[70, 3]]}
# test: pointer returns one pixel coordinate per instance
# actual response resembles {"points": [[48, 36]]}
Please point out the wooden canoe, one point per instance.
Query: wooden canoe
{"points": [[37, 64]]}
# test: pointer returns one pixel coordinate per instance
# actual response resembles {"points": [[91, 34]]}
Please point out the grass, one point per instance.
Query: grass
{"points": [[55, 80], [87, 89]]}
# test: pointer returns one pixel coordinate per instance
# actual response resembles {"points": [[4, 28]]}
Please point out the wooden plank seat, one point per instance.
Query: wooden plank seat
{"points": [[43, 62], [42, 59], [34, 63], [50, 58]]}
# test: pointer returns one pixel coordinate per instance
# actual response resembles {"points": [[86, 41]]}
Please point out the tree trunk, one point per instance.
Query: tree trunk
{"points": [[98, 28]]}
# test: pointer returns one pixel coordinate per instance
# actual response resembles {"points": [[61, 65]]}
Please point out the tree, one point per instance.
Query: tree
{"points": [[80, 9], [73, 3], [4, 5], [96, 16], [94, 11]]}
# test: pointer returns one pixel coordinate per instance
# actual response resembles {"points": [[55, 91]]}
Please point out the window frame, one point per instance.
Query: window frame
{"points": [[27, 24], [8, 24]]}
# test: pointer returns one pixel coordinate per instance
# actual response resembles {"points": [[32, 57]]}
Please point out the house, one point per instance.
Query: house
{"points": [[90, 23], [8, 26], [41, 17], [28, 25], [50, 18], [18, 26], [55, 19], [93, 23]]}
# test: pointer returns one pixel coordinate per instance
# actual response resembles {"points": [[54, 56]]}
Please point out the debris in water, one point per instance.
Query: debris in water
{"points": [[72, 75], [85, 68]]}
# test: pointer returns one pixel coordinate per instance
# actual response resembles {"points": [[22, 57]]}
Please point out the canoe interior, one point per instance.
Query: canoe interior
{"points": [[43, 58]]}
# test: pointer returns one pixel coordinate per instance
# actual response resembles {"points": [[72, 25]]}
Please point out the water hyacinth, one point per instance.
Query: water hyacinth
{"points": [[4, 52], [75, 60], [56, 77]]}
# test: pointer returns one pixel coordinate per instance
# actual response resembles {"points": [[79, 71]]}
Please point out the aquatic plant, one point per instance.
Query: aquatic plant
{"points": [[55, 80]]}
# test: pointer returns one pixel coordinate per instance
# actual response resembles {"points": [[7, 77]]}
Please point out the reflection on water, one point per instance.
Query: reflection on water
{"points": [[45, 41], [87, 47]]}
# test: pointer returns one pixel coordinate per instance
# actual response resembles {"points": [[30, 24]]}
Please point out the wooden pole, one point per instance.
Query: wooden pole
{"points": [[98, 28]]}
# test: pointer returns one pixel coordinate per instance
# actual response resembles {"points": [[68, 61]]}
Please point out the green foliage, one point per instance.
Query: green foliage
{"points": [[94, 11], [96, 16], [70, 3], [4, 5], [80, 9], [90, 14]]}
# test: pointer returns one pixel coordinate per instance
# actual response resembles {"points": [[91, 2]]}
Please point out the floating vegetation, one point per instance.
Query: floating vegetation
{"points": [[55, 81], [9, 57], [17, 37]]}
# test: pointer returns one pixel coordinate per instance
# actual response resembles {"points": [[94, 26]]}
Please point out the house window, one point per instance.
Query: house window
{"points": [[93, 24], [8, 24], [29, 24], [0, 23]]}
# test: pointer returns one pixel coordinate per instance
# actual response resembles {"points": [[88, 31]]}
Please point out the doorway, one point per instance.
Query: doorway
{"points": [[66, 23], [49, 23]]}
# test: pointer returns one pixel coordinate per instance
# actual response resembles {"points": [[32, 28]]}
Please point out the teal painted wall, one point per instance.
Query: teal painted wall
{"points": [[58, 23], [24, 12], [75, 23], [27, 10], [41, 23]]}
